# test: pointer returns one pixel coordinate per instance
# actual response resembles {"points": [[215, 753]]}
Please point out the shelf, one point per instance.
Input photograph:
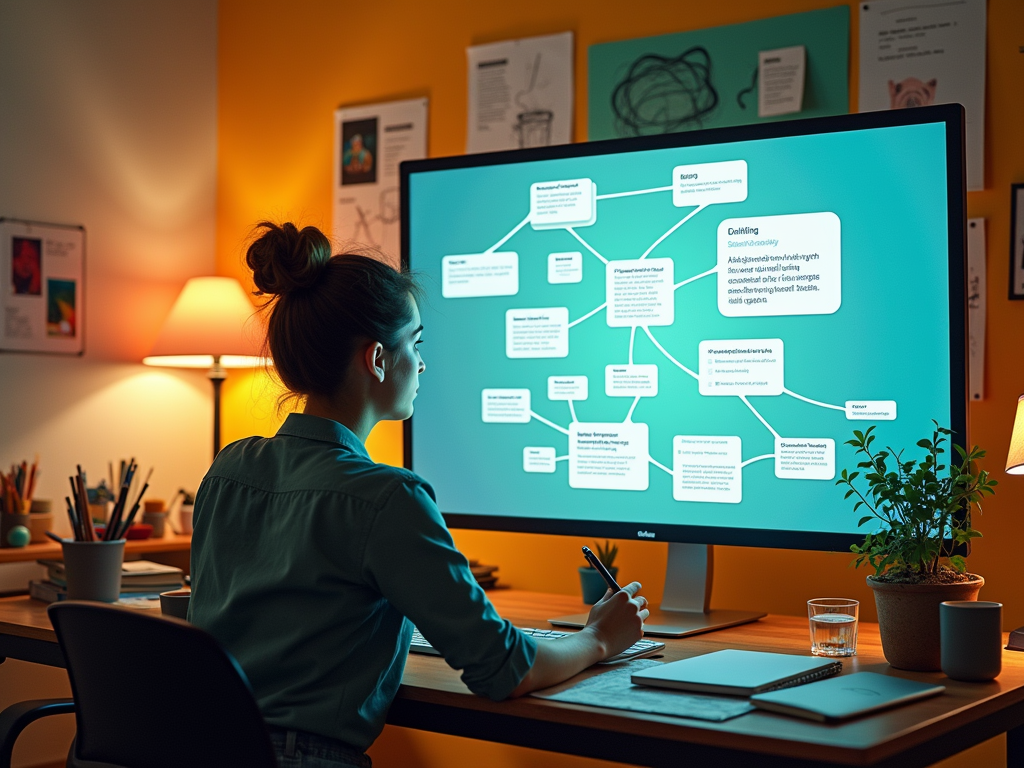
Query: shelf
{"points": [[33, 552]]}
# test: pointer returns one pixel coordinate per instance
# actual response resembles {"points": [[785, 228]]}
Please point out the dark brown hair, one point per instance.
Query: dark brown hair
{"points": [[322, 306]]}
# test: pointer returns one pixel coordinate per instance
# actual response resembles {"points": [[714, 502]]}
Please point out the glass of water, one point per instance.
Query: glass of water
{"points": [[833, 626]]}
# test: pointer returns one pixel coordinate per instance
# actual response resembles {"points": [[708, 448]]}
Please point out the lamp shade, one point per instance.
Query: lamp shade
{"points": [[208, 320], [1015, 460]]}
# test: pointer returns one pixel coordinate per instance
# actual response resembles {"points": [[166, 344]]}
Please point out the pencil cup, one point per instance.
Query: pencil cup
{"points": [[185, 516], [159, 522], [93, 569], [7, 522], [971, 637], [41, 520]]}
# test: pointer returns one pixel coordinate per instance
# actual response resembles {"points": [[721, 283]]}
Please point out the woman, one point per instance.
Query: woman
{"points": [[310, 563]]}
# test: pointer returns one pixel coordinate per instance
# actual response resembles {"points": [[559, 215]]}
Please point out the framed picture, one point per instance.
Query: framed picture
{"points": [[1017, 241], [42, 268]]}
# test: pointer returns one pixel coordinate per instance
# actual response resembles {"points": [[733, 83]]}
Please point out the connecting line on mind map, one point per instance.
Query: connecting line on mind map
{"points": [[585, 244], [813, 402], [676, 226], [760, 418], [589, 314], [551, 424], [664, 351], [572, 411], [561, 458], [762, 457], [634, 192], [508, 237], [632, 338], [629, 416], [660, 466], [711, 271]]}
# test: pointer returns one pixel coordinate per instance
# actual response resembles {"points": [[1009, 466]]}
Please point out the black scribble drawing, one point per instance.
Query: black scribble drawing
{"points": [[661, 94], [974, 294], [383, 219], [533, 124], [745, 91]]}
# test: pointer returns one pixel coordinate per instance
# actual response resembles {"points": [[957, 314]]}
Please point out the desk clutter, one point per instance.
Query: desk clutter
{"points": [[486, 575], [139, 579], [87, 507], [16, 489], [638, 686]]}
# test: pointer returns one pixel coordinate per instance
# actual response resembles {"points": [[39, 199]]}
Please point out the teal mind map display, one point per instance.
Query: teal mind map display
{"points": [[685, 335]]}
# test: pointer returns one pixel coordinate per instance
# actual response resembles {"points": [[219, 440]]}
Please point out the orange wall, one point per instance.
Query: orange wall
{"points": [[284, 68]]}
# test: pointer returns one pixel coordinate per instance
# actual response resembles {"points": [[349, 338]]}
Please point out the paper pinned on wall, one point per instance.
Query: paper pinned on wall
{"points": [[520, 93], [370, 142], [976, 308], [780, 75], [927, 52], [41, 287]]}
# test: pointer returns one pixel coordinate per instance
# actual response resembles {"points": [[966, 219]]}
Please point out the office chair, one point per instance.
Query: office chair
{"points": [[149, 692]]}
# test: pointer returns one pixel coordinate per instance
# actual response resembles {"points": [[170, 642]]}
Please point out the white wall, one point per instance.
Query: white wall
{"points": [[108, 113]]}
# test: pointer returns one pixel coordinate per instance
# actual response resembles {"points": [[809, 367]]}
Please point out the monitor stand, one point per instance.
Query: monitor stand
{"points": [[684, 607]]}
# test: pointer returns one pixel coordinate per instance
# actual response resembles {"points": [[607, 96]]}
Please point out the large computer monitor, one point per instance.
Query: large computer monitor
{"points": [[671, 338]]}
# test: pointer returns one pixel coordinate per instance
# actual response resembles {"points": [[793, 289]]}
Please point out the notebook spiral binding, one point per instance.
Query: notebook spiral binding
{"points": [[819, 674]]}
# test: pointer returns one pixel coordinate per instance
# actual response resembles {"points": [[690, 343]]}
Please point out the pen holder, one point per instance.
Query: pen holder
{"points": [[593, 584], [159, 522], [93, 569], [7, 522]]}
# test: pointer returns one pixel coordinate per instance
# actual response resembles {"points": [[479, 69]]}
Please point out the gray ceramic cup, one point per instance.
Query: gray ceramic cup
{"points": [[175, 603], [972, 639], [93, 569]]}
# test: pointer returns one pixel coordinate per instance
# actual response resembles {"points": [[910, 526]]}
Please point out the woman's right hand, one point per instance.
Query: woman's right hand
{"points": [[618, 618]]}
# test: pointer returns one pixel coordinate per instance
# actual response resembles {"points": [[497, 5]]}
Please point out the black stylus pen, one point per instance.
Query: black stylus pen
{"points": [[599, 567]]}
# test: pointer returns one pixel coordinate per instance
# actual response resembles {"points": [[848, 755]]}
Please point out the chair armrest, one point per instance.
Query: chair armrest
{"points": [[17, 717]]}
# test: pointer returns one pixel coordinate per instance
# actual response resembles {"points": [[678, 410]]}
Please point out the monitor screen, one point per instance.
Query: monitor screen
{"points": [[674, 337]]}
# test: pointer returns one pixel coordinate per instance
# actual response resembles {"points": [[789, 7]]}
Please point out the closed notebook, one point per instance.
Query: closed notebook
{"points": [[738, 673], [844, 697]]}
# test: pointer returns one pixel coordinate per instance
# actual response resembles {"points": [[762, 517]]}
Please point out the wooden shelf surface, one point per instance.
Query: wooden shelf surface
{"points": [[51, 549]]}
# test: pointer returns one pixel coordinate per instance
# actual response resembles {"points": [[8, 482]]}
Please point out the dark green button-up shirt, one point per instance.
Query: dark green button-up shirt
{"points": [[308, 563]]}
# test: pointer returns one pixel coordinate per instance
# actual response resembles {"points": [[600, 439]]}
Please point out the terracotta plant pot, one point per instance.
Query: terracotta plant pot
{"points": [[908, 619]]}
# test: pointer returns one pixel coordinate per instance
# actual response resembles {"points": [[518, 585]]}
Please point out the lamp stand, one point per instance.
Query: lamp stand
{"points": [[216, 374]]}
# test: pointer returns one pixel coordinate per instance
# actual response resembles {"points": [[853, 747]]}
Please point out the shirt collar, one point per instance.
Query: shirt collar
{"points": [[325, 430]]}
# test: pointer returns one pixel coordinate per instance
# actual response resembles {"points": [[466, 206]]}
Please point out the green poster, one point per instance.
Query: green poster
{"points": [[707, 78]]}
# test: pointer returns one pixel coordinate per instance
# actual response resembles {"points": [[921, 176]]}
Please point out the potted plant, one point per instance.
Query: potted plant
{"points": [[591, 581], [922, 515]]}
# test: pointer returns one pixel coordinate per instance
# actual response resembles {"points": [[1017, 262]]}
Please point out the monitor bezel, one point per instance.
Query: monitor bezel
{"points": [[953, 118]]}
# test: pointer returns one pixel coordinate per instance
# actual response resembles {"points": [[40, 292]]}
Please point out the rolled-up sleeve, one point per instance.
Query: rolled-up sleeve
{"points": [[411, 560]]}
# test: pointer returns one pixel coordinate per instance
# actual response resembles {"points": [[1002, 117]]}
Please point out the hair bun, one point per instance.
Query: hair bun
{"points": [[284, 259]]}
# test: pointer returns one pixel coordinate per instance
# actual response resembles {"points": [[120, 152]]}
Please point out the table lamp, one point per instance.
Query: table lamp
{"points": [[1015, 459], [206, 329], [1015, 466]]}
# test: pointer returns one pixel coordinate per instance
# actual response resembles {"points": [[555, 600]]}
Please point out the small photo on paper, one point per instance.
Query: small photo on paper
{"points": [[26, 266], [359, 151], [60, 308]]}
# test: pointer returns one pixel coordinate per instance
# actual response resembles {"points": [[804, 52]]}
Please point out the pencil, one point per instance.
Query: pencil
{"points": [[74, 523], [131, 515], [55, 537]]}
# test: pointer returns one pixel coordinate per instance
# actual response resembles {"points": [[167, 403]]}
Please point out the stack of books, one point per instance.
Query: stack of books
{"points": [[486, 575], [139, 578]]}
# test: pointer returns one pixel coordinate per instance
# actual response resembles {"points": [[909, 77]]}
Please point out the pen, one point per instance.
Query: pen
{"points": [[599, 567]]}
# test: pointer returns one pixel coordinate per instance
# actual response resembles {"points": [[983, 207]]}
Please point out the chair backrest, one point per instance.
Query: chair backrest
{"points": [[156, 692]]}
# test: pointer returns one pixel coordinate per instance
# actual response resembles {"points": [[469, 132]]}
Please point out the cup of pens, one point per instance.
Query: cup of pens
{"points": [[16, 489], [92, 562]]}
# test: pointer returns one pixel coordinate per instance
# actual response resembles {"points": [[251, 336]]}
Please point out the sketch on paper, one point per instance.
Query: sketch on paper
{"points": [[661, 94]]}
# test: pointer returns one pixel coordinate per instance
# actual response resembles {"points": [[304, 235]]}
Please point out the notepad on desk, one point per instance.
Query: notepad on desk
{"points": [[844, 697], [738, 673]]}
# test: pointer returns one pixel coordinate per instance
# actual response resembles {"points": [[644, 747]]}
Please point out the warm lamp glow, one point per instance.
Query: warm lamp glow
{"points": [[207, 328], [1015, 460], [208, 319]]}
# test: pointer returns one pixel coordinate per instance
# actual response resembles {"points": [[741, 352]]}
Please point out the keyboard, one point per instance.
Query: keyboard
{"points": [[638, 649]]}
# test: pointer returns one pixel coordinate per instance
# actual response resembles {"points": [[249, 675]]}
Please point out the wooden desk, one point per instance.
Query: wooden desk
{"points": [[51, 549], [433, 698]]}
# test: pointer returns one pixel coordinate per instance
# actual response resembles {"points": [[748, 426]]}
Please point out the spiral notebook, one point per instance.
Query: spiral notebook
{"points": [[738, 673]]}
